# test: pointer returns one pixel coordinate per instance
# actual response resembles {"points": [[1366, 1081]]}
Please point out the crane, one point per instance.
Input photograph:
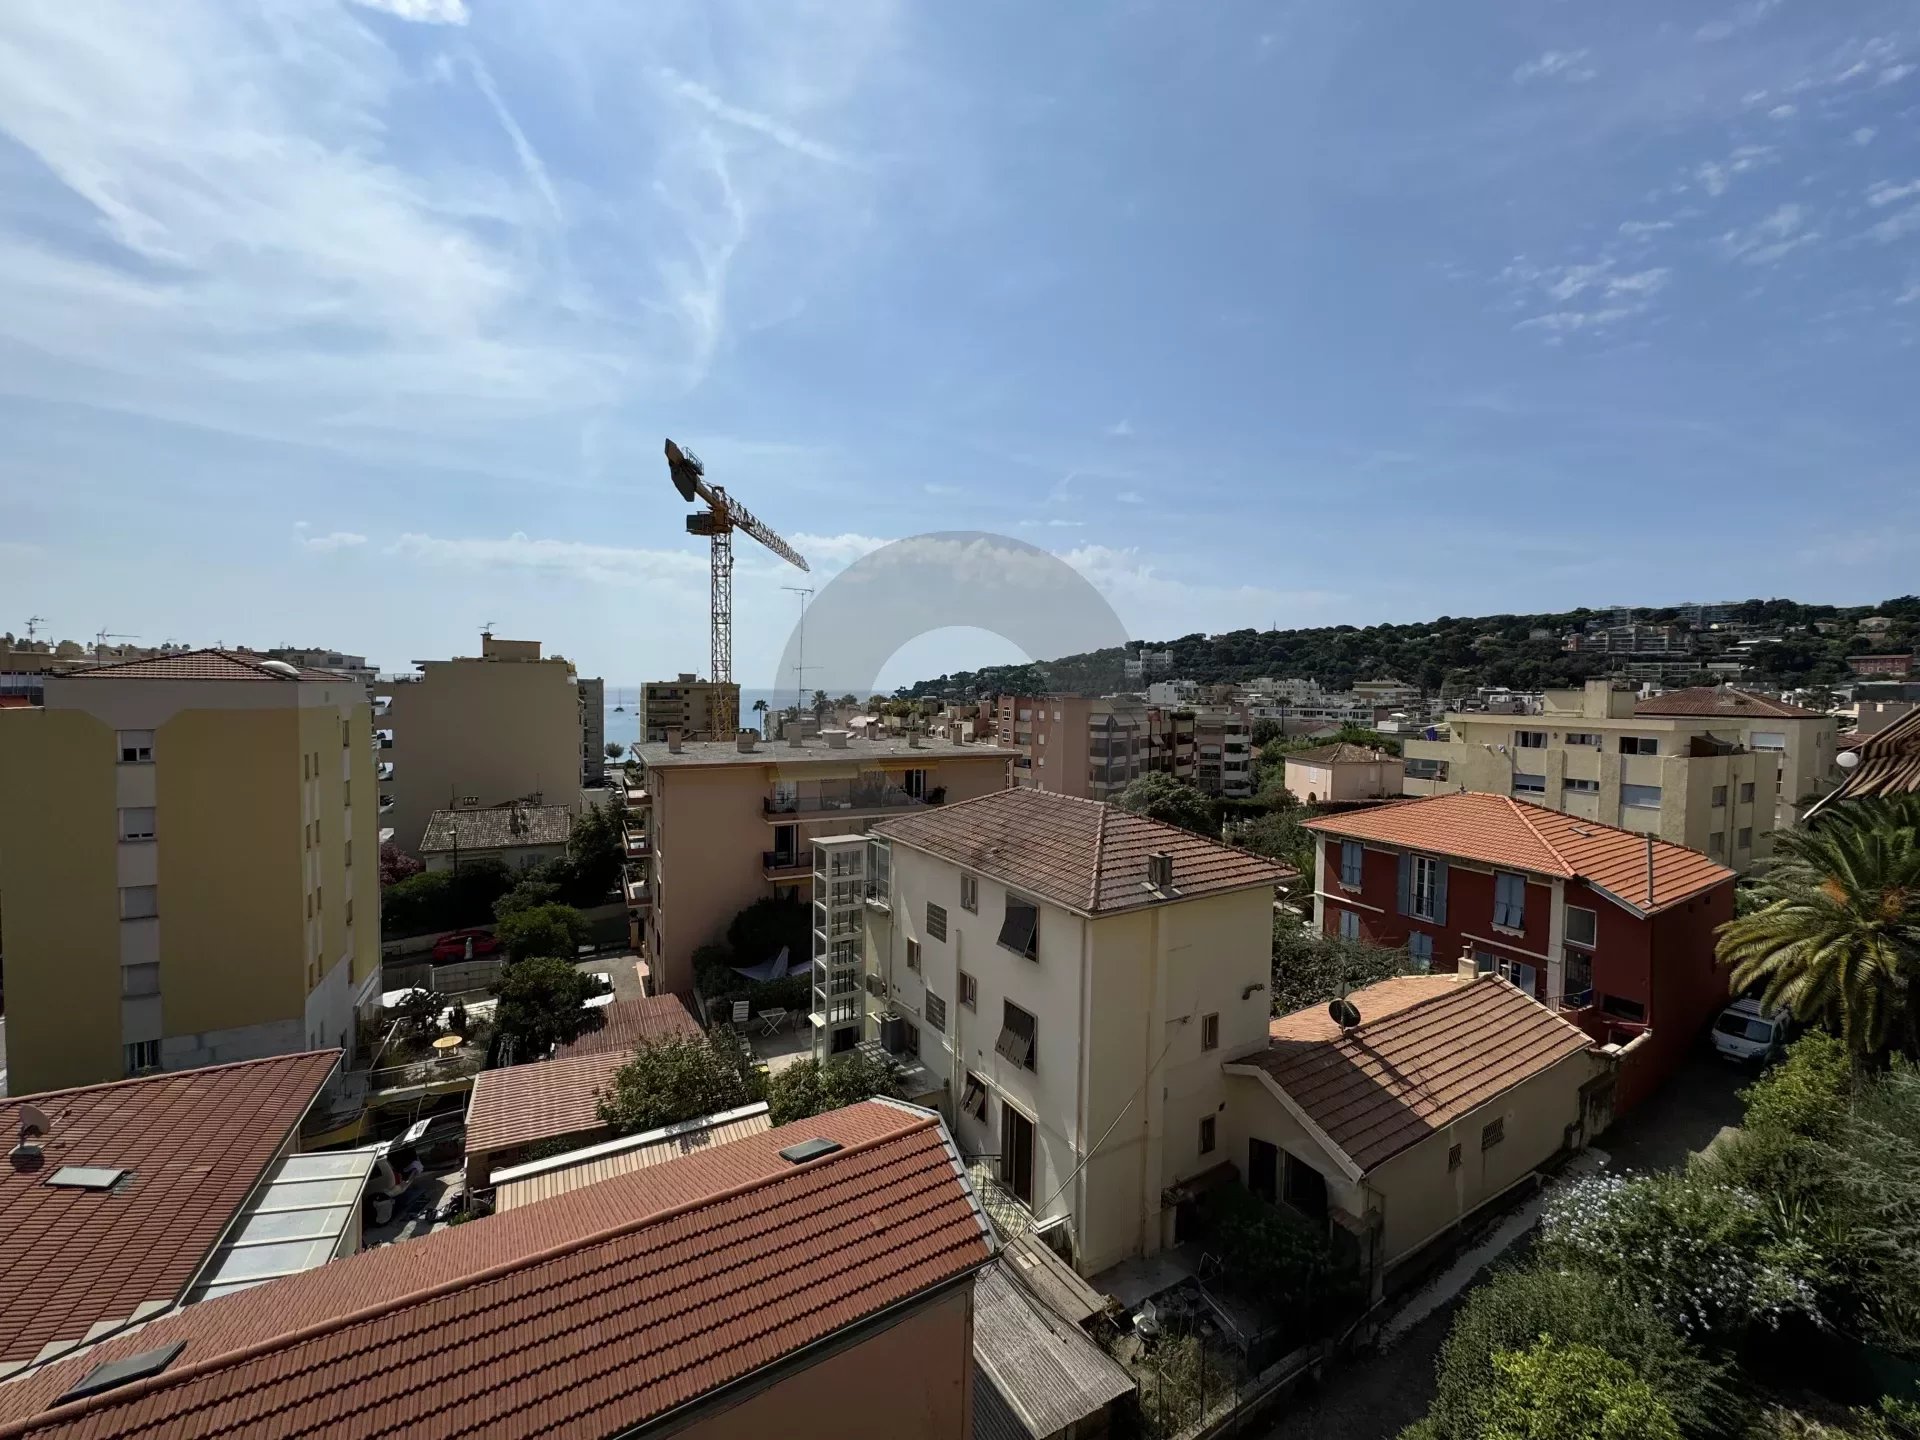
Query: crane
{"points": [[717, 522]]}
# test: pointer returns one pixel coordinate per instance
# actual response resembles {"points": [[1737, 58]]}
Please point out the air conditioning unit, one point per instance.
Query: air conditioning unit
{"points": [[893, 1034], [876, 986]]}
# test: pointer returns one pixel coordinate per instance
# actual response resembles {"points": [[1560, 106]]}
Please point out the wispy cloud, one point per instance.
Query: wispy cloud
{"points": [[569, 559], [1743, 17], [1584, 297], [1057, 523], [1639, 229], [1130, 497], [1887, 192], [1897, 226], [422, 12], [1121, 429], [530, 163], [1783, 112], [1566, 65], [768, 127], [1894, 74], [842, 549], [1716, 176], [933, 487], [1771, 238], [1864, 135], [332, 540]]}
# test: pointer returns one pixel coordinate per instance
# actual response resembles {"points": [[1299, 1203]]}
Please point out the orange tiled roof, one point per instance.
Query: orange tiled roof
{"points": [[541, 1100], [1497, 830], [1343, 753], [581, 1316], [203, 665], [1084, 854], [196, 1142], [1721, 700], [628, 1024], [1416, 1062]]}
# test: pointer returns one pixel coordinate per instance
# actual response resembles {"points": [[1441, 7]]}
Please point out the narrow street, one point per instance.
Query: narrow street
{"points": [[1376, 1394]]}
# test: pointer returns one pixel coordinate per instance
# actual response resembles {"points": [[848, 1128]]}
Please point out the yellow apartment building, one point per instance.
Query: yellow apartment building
{"points": [[1707, 781], [1804, 743], [698, 709], [718, 825], [479, 731], [189, 867]]}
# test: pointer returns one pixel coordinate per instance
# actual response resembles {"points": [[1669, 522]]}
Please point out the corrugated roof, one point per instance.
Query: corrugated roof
{"points": [[196, 1143], [1722, 700], [1049, 1372], [503, 828], [1499, 830], [556, 1175], [541, 1100], [581, 1316], [625, 1025], [203, 665], [1344, 753], [1390, 1082], [1084, 854]]}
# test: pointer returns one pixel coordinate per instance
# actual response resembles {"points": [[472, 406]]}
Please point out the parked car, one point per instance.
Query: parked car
{"points": [[1745, 1032], [450, 948], [437, 1140]]}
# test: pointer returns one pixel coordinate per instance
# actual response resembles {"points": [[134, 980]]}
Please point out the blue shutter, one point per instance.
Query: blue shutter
{"points": [[1406, 883], [1439, 892]]}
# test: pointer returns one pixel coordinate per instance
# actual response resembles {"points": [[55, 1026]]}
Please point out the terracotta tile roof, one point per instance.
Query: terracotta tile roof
{"points": [[1384, 998], [495, 829], [1722, 700], [1390, 1082], [556, 1175], [1084, 854], [541, 1100], [196, 1142], [1498, 830], [203, 665], [1344, 753], [581, 1316], [1889, 763], [625, 1025]]}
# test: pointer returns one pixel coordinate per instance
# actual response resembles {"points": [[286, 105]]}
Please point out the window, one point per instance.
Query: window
{"points": [[139, 902], [346, 733], [1525, 784], [1352, 858], [1746, 793], [969, 991], [913, 955], [1623, 1009], [1453, 1158], [909, 1039], [936, 1012], [970, 894], [1583, 737], [1424, 888], [1746, 837], [1420, 948], [1210, 1032], [1581, 926], [936, 920], [346, 793], [879, 871], [306, 766], [1717, 843], [1719, 797], [349, 854], [1426, 769], [1303, 1187], [1529, 739], [1510, 901], [1493, 1132], [138, 980], [1207, 1134], [136, 747], [973, 1097], [1349, 924], [142, 1055], [1640, 797], [1639, 745], [1020, 928], [1580, 787], [1019, 1036], [137, 823], [1766, 740]]}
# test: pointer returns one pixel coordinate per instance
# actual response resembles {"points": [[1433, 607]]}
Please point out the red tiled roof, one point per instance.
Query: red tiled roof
{"points": [[1084, 854], [1420, 1065], [202, 665], [580, 1316], [1497, 830], [541, 1100], [1719, 700], [197, 1142], [1344, 753], [628, 1024]]}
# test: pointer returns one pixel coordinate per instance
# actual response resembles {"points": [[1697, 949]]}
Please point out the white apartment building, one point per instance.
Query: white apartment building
{"points": [[1071, 977]]}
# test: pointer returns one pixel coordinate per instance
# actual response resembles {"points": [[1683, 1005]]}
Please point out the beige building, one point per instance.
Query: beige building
{"points": [[717, 825], [1803, 743], [1044, 958], [188, 867], [1083, 745], [1222, 753], [479, 731], [698, 709], [1342, 772], [1707, 782]]}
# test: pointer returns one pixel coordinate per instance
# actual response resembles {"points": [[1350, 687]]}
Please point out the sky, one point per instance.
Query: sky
{"points": [[361, 324]]}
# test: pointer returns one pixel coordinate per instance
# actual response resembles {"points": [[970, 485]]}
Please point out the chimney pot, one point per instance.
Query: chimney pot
{"points": [[743, 741], [673, 739], [1466, 966]]}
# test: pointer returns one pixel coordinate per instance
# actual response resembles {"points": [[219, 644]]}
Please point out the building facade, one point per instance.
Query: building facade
{"points": [[478, 731], [1342, 772], [698, 709], [189, 867], [353, 666], [593, 731], [1803, 744]]}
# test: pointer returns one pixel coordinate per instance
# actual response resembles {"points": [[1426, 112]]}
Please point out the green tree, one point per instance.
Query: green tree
{"points": [[680, 1078], [1279, 836], [615, 750], [1552, 1391], [765, 928], [1264, 730], [1158, 796], [597, 851], [418, 1010], [1838, 936], [813, 1087], [1310, 968], [542, 1003], [553, 930]]}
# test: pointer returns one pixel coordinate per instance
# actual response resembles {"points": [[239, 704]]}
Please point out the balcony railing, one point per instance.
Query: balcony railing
{"points": [[781, 863], [885, 797]]}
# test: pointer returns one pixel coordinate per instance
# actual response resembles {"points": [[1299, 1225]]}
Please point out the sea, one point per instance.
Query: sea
{"points": [[622, 717]]}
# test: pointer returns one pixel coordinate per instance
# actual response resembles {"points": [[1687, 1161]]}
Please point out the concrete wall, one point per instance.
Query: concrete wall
{"points": [[914, 1378]]}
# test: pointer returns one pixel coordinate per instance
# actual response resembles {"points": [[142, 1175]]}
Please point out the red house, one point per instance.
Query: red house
{"points": [[1613, 929]]}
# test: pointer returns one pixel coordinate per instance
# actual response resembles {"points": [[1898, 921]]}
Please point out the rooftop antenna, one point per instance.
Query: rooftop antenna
{"points": [[34, 622], [103, 635], [800, 650]]}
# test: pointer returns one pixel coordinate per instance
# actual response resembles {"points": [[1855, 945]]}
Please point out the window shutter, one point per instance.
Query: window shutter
{"points": [[1439, 892], [1406, 883]]}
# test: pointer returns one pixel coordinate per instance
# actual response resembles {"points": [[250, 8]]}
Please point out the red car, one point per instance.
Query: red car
{"points": [[449, 948]]}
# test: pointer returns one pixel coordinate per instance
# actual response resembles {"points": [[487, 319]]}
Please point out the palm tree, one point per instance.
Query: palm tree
{"points": [[1837, 933], [760, 709]]}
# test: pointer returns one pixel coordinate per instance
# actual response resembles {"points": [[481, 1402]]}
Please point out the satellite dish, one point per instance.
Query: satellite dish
{"points": [[1344, 1012], [33, 1121], [1847, 759], [281, 667]]}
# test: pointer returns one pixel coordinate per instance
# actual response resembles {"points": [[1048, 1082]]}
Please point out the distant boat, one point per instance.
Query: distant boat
{"points": [[618, 709]]}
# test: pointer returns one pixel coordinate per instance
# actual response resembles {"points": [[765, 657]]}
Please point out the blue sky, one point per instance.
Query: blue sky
{"points": [[361, 324]]}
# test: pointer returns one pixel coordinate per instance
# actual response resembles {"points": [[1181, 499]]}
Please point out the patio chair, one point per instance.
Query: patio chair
{"points": [[740, 1010], [772, 1019]]}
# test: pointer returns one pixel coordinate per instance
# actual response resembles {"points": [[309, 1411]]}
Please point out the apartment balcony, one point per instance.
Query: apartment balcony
{"points": [[639, 844], [849, 805], [386, 804], [637, 799], [785, 866], [1010, 1216], [638, 893]]}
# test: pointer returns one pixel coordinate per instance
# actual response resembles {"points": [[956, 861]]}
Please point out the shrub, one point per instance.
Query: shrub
{"points": [[1273, 1255], [557, 930], [767, 926], [1159, 796], [543, 1004], [1806, 1094], [680, 1078], [813, 1087], [1555, 1391], [1310, 968]]}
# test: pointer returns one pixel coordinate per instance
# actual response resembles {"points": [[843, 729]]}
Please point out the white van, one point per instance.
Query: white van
{"points": [[1745, 1032]]}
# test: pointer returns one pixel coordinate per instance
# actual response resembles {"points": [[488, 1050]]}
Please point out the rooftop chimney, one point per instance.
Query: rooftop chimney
{"points": [[913, 735], [673, 739], [1466, 967], [1160, 872], [743, 741], [793, 735], [836, 739]]}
